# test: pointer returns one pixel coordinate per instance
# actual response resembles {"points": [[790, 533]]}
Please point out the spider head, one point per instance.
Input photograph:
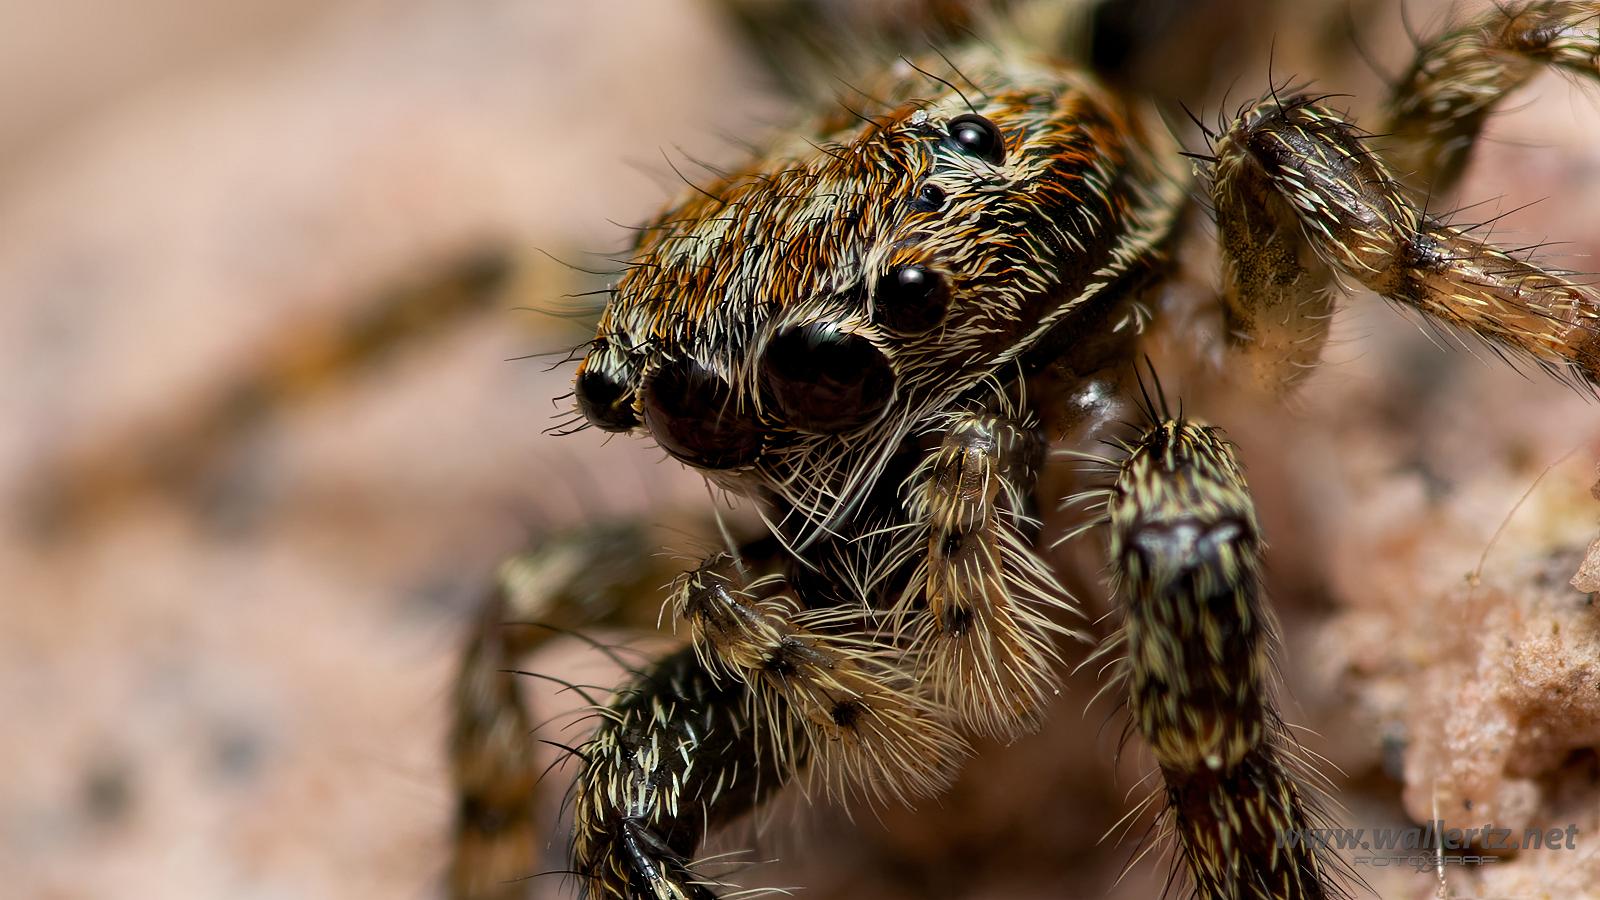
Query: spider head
{"points": [[870, 271]]}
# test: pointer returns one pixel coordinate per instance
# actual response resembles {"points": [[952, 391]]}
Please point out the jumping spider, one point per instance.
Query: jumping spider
{"points": [[907, 333]]}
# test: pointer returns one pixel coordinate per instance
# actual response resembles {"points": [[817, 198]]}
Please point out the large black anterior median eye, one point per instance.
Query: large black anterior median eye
{"points": [[692, 415], [976, 136], [910, 299], [826, 380], [604, 400]]}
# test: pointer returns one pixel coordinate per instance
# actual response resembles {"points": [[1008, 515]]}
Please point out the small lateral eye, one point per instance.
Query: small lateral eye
{"points": [[604, 400], [604, 388], [930, 198], [974, 135], [910, 299]]}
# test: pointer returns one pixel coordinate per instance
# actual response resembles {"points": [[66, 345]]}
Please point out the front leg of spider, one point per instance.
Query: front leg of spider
{"points": [[767, 693], [981, 602], [783, 691], [674, 756], [1186, 564]]}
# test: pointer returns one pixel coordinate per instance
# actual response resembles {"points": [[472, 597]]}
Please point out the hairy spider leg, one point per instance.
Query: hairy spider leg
{"points": [[980, 604], [1300, 197], [1438, 108], [1185, 554]]}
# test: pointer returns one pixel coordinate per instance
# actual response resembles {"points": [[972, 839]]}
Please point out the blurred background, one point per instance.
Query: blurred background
{"points": [[271, 272]]}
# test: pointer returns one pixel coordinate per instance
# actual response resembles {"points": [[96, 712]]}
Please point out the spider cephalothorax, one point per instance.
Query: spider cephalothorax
{"points": [[797, 319]]}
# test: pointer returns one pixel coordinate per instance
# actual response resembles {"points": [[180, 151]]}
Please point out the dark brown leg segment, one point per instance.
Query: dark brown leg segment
{"points": [[676, 754]]}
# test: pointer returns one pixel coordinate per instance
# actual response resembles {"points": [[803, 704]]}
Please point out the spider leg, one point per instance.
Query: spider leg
{"points": [[767, 693], [1186, 563], [190, 452], [977, 605], [830, 691], [592, 575], [492, 766], [1299, 198], [676, 754], [1438, 109]]}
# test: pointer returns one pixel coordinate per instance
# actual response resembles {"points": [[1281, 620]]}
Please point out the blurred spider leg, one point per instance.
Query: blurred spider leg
{"points": [[189, 453], [1186, 564], [1438, 109], [1277, 295], [492, 765], [979, 604], [591, 575], [1300, 173]]}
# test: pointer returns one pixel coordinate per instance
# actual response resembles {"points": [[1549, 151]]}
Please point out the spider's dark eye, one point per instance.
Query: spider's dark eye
{"points": [[692, 415], [910, 299], [826, 380], [976, 136], [604, 400], [929, 199]]}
